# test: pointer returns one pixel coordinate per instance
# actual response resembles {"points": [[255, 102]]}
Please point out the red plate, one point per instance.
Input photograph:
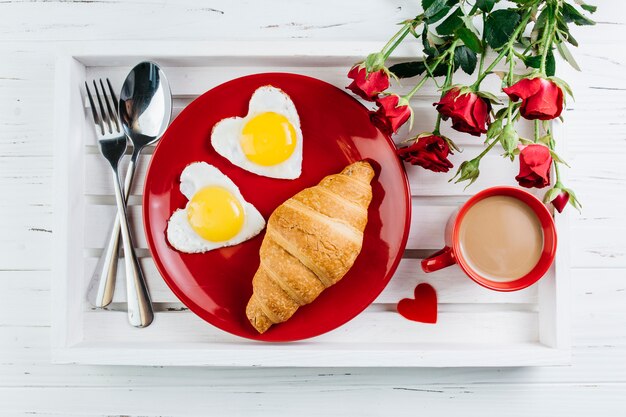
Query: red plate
{"points": [[336, 131]]}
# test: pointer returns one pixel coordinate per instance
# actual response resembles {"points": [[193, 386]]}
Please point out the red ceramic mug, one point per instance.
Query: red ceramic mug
{"points": [[452, 254]]}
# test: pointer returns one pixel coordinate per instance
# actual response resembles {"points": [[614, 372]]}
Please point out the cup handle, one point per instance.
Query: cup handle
{"points": [[439, 260]]}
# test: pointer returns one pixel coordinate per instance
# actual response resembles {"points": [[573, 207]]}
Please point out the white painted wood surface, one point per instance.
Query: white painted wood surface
{"points": [[30, 35]]}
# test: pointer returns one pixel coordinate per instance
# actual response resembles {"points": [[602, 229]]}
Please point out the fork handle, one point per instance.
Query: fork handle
{"points": [[140, 313], [102, 284]]}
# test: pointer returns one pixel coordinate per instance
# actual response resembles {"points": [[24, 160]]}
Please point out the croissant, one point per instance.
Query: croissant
{"points": [[311, 242]]}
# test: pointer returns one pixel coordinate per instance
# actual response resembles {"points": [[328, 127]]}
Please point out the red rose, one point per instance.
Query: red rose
{"points": [[560, 201], [392, 113], [365, 85], [430, 152], [541, 99], [534, 166], [469, 111]]}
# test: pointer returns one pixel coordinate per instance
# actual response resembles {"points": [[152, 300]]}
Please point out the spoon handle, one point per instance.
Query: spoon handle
{"points": [[140, 313], [102, 284]]}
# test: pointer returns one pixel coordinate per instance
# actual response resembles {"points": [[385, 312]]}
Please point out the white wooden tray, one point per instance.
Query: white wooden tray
{"points": [[476, 326]]}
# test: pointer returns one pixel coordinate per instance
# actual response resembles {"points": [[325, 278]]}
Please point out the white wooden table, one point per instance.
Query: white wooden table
{"points": [[30, 35]]}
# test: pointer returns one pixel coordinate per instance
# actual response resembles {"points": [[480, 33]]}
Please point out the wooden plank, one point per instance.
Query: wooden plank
{"points": [[262, 399], [24, 298], [31, 367], [26, 221], [427, 225], [451, 284], [496, 171], [69, 199], [467, 327]]}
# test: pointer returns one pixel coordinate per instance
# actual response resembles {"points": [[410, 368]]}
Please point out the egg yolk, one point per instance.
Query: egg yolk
{"points": [[215, 214], [268, 139]]}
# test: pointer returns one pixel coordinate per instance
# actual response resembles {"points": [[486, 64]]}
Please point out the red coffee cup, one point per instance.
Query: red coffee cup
{"points": [[452, 254]]}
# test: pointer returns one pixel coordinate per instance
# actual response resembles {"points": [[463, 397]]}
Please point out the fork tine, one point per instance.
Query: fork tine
{"points": [[105, 116], [115, 102], [94, 111], [112, 114]]}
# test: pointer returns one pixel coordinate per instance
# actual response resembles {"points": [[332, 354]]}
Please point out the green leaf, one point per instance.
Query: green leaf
{"points": [[469, 23], [489, 96], [499, 27], [539, 24], [494, 129], [465, 58], [545, 140], [435, 9], [532, 61], [567, 55], [573, 200], [440, 71], [429, 49], [435, 40], [486, 5], [565, 86], [585, 6], [451, 24], [501, 113], [408, 69], [558, 159], [570, 14], [470, 39], [550, 64], [563, 31]]}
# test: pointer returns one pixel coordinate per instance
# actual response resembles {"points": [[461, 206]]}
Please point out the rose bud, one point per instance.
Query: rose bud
{"points": [[534, 166], [560, 201], [541, 98], [468, 171], [393, 111], [430, 152], [469, 111], [367, 85], [509, 139]]}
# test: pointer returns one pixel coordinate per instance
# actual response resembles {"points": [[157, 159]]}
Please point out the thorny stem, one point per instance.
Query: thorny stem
{"points": [[446, 84], [487, 149], [503, 52], [388, 48], [437, 124], [556, 164], [436, 63], [416, 88], [548, 33], [484, 45], [536, 131], [509, 83], [397, 39]]}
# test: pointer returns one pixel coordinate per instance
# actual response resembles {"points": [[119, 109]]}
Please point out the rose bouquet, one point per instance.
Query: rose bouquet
{"points": [[459, 34]]}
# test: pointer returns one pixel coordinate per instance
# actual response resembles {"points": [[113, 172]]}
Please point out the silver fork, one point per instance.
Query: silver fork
{"points": [[112, 143]]}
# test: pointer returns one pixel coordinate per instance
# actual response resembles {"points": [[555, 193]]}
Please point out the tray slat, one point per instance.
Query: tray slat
{"points": [[451, 284]]}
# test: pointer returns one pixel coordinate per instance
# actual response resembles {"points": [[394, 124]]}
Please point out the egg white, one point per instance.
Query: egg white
{"points": [[181, 235], [226, 134]]}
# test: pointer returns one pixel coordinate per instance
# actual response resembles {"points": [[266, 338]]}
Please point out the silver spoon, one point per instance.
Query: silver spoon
{"points": [[145, 109]]}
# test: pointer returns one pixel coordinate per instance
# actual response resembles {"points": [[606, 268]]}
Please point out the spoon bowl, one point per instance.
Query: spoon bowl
{"points": [[145, 105]]}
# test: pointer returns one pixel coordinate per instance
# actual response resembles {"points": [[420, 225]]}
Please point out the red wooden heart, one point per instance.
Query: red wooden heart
{"points": [[423, 308]]}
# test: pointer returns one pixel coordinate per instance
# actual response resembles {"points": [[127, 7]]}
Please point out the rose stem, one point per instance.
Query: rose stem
{"points": [[503, 52]]}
